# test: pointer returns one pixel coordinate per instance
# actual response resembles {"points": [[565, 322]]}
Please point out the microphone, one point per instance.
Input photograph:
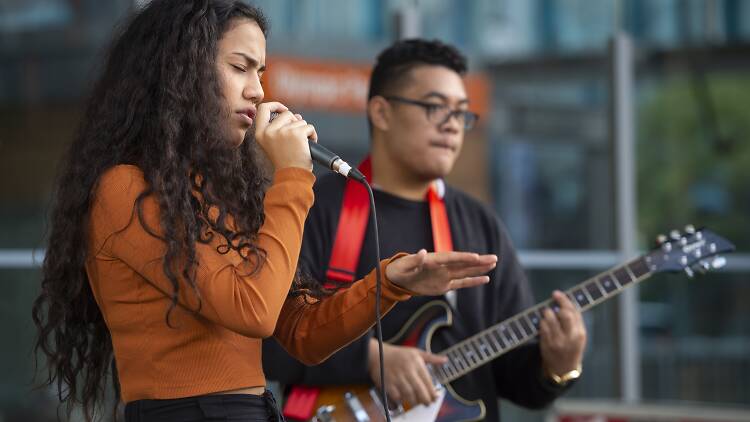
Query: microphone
{"points": [[330, 160]]}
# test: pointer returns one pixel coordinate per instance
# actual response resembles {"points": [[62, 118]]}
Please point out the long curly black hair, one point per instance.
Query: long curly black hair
{"points": [[157, 105]]}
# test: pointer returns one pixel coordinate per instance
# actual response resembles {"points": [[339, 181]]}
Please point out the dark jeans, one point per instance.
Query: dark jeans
{"points": [[220, 407]]}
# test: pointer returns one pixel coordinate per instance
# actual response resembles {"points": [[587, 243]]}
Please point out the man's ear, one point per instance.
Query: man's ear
{"points": [[379, 112]]}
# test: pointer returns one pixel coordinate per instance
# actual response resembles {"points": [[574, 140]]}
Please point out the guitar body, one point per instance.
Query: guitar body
{"points": [[417, 332]]}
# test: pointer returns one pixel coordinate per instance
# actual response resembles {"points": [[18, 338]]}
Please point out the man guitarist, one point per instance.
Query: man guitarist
{"points": [[418, 112]]}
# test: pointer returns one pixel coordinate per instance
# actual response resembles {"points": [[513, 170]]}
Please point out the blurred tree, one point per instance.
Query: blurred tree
{"points": [[694, 156], [694, 167]]}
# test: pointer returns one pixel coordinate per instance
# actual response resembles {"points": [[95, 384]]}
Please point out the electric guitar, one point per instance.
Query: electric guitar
{"points": [[692, 251]]}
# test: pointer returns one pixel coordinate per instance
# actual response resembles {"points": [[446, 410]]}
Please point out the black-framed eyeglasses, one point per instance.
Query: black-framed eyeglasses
{"points": [[440, 113]]}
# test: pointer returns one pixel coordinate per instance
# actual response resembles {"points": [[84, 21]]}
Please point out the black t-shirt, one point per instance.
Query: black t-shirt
{"points": [[405, 226]]}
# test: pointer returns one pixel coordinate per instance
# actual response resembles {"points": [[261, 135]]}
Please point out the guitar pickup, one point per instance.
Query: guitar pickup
{"points": [[359, 412]]}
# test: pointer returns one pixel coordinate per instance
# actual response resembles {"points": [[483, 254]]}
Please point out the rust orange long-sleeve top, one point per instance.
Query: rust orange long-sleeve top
{"points": [[218, 347]]}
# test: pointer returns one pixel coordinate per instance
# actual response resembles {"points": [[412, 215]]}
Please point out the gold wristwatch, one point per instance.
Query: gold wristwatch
{"points": [[564, 379]]}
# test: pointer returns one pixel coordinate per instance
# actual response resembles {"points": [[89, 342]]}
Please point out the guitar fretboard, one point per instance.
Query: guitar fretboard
{"points": [[497, 340]]}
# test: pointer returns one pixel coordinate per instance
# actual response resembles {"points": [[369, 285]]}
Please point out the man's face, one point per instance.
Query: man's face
{"points": [[424, 147]]}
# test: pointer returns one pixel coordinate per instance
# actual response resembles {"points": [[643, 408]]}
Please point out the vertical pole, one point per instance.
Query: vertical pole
{"points": [[623, 131], [409, 20]]}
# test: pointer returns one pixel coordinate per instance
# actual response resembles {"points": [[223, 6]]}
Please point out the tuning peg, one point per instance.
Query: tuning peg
{"points": [[661, 239], [674, 234], [690, 229], [702, 267], [719, 262], [689, 272]]}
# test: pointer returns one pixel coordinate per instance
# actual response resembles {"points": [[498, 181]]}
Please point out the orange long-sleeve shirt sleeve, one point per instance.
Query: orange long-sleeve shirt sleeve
{"points": [[213, 343]]}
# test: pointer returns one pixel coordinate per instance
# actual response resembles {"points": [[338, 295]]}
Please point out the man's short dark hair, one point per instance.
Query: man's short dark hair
{"points": [[394, 63]]}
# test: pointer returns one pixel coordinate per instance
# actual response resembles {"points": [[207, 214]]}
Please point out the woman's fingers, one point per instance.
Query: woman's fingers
{"points": [[468, 282], [311, 133], [283, 119], [412, 262], [263, 116], [472, 271], [459, 259], [449, 258]]}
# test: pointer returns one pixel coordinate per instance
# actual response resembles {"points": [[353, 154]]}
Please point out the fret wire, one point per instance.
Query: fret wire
{"points": [[633, 278], [586, 293], [517, 330], [470, 355], [475, 349], [614, 278], [624, 273], [498, 333], [464, 358], [459, 360], [573, 299], [437, 372], [512, 336], [480, 347], [488, 339], [586, 297], [487, 346], [612, 281], [498, 346], [443, 372], [600, 287], [531, 329], [477, 352]]}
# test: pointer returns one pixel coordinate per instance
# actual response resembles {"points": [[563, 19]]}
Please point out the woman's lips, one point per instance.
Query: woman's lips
{"points": [[247, 116]]}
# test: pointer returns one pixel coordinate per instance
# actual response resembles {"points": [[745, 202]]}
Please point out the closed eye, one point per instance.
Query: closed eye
{"points": [[240, 68]]}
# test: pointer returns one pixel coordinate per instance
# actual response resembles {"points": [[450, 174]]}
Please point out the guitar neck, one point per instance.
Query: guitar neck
{"points": [[489, 344]]}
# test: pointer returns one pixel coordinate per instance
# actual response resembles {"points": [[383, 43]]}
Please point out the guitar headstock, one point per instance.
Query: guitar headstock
{"points": [[693, 250]]}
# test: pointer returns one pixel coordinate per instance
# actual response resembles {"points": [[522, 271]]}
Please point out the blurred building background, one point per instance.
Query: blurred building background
{"points": [[544, 156]]}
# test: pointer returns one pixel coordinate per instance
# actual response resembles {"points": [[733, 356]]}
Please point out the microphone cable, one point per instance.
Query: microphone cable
{"points": [[378, 293]]}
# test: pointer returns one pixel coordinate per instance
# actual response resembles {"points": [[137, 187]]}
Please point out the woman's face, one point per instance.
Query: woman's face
{"points": [[241, 61]]}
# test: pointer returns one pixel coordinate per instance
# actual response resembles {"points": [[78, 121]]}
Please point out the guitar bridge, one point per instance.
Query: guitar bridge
{"points": [[394, 411]]}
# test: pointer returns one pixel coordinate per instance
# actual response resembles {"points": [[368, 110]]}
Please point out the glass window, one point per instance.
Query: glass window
{"points": [[18, 400], [695, 338], [551, 163]]}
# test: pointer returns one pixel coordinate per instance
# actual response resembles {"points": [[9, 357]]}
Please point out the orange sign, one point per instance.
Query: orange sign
{"points": [[340, 86]]}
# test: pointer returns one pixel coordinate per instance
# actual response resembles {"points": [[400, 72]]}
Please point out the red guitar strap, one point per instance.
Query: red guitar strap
{"points": [[355, 214], [350, 233], [347, 246], [441, 228]]}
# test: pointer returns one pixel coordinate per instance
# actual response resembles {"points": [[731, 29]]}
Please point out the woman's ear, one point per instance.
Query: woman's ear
{"points": [[379, 112]]}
